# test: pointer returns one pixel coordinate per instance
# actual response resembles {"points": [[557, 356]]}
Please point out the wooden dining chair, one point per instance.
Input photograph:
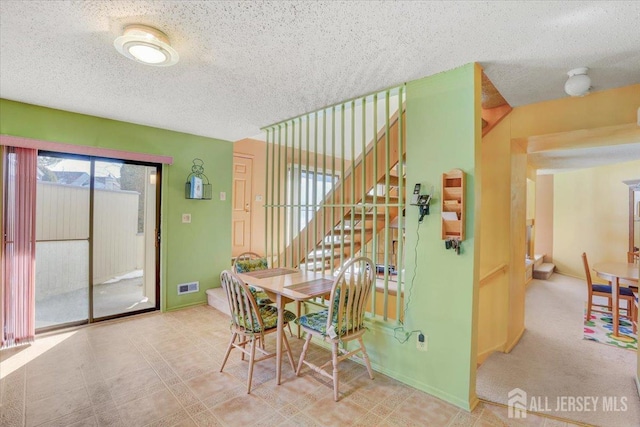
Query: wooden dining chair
{"points": [[343, 320], [605, 291], [634, 321], [250, 323], [247, 262]]}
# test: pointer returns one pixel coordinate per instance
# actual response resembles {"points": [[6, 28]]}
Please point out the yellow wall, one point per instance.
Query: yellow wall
{"points": [[515, 328], [531, 199], [591, 214], [494, 246], [544, 217]]}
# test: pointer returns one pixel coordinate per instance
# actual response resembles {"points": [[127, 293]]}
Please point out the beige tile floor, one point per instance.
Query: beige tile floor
{"points": [[163, 370]]}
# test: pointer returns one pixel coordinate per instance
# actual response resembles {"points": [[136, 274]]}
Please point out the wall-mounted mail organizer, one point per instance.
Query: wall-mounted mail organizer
{"points": [[452, 199]]}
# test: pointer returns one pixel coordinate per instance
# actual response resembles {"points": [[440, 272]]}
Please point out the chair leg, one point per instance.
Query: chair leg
{"points": [[304, 352], [226, 355], [334, 361], [365, 356], [251, 362], [290, 331], [298, 305], [288, 349]]}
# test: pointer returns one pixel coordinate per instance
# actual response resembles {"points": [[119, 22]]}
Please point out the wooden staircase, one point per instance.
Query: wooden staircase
{"points": [[338, 233]]}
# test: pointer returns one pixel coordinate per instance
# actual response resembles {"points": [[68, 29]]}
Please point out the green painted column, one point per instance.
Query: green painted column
{"points": [[441, 288]]}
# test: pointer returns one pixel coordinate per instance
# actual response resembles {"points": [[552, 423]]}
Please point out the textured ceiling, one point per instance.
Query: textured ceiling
{"points": [[244, 65]]}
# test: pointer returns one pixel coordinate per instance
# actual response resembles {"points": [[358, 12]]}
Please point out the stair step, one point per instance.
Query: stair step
{"points": [[357, 238], [393, 181], [345, 231], [381, 199], [538, 259], [359, 216], [314, 266], [337, 242], [217, 298], [324, 254], [543, 271]]}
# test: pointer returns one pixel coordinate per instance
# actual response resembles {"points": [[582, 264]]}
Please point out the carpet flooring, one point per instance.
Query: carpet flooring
{"points": [[553, 363]]}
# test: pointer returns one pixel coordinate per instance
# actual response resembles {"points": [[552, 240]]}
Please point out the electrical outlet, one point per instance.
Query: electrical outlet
{"points": [[186, 218], [421, 342]]}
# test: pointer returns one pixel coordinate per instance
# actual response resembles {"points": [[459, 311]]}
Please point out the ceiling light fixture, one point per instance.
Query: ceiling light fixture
{"points": [[579, 83], [147, 45]]}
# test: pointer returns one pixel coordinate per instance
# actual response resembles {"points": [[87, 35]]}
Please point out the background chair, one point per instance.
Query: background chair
{"points": [[343, 320], [250, 323], [251, 261], [605, 291]]}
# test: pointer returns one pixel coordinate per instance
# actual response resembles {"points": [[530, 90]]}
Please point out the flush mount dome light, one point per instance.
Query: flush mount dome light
{"points": [[579, 83], [147, 45]]}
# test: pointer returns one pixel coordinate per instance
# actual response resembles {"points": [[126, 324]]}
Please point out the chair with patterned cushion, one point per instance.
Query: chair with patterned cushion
{"points": [[598, 290], [343, 320], [247, 262], [250, 323]]}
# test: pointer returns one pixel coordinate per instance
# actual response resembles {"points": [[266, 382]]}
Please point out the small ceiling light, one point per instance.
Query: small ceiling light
{"points": [[579, 82], [147, 45]]}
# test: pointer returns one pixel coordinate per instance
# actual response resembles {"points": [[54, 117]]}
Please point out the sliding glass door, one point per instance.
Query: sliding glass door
{"points": [[124, 230], [97, 240]]}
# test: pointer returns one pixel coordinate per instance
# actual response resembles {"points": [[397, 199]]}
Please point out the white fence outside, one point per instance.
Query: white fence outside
{"points": [[62, 230]]}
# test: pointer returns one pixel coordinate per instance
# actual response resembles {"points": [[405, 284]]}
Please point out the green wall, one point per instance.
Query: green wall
{"points": [[443, 133], [190, 252]]}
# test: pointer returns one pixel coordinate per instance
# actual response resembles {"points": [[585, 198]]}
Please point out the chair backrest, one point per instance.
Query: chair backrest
{"points": [[249, 261], [242, 305], [587, 270], [349, 296]]}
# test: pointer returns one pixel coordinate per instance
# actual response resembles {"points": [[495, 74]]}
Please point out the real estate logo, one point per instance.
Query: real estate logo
{"points": [[517, 403]]}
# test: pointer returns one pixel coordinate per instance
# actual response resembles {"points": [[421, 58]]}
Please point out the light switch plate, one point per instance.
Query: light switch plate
{"points": [[186, 218], [223, 196]]}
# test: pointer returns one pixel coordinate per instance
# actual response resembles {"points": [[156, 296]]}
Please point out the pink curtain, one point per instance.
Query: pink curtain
{"points": [[17, 323]]}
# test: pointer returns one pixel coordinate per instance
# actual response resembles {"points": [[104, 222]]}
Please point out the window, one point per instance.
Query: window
{"points": [[309, 189]]}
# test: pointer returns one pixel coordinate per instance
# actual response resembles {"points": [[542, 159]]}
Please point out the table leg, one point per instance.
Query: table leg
{"points": [[280, 331], [615, 288]]}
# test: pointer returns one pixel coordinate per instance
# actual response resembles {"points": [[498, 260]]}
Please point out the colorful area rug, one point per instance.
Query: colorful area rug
{"points": [[599, 328]]}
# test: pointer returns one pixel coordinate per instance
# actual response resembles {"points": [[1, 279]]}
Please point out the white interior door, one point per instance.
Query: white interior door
{"points": [[242, 196]]}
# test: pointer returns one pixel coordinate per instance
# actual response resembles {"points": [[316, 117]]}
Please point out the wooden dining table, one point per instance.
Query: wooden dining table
{"points": [[614, 272], [285, 285]]}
